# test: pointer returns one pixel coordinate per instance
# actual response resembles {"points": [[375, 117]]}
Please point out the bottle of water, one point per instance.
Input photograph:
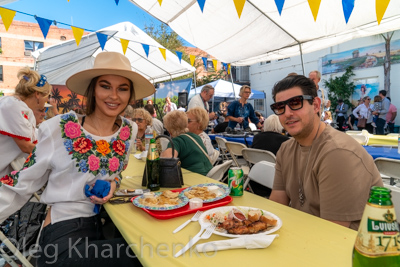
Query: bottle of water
{"points": [[398, 148], [148, 135], [237, 128]]}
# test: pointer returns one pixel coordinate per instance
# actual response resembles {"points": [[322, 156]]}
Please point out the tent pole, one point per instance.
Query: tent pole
{"points": [[302, 61], [195, 85], [233, 87]]}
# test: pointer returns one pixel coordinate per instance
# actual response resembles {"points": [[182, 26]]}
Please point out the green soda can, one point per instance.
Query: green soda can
{"points": [[235, 181]]}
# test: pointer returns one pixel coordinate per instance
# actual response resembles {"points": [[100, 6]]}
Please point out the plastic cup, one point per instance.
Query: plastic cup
{"points": [[387, 149]]}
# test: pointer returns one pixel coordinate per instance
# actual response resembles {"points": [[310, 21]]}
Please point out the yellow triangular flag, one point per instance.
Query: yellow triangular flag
{"points": [[215, 62], [124, 44], [229, 69], [78, 32], [192, 59], [314, 6], [163, 53], [239, 4], [381, 6], [160, 1], [7, 16]]}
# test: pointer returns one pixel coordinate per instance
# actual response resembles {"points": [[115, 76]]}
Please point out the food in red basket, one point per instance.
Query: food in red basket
{"points": [[166, 198], [200, 192]]}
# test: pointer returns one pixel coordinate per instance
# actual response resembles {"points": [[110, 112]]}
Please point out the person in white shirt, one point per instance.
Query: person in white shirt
{"points": [[20, 116], [201, 100], [169, 106], [75, 153]]}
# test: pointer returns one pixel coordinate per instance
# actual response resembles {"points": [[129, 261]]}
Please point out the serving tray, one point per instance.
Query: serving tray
{"points": [[169, 214]]}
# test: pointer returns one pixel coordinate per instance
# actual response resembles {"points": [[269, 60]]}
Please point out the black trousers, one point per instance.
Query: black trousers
{"points": [[78, 242], [340, 120]]}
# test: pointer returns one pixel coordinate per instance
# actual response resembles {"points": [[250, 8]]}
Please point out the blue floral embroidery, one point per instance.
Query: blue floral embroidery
{"points": [[68, 145]]}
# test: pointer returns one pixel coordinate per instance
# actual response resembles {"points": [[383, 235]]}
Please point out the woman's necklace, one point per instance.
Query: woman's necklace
{"points": [[302, 197]]}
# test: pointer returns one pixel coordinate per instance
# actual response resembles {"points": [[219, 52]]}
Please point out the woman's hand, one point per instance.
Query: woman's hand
{"points": [[239, 119], [98, 200], [139, 145]]}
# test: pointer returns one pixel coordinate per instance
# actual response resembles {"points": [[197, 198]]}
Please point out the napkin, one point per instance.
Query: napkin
{"points": [[248, 242]]}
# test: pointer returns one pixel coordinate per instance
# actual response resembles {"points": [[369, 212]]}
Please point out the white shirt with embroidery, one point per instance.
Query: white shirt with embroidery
{"points": [[17, 120], [68, 158]]}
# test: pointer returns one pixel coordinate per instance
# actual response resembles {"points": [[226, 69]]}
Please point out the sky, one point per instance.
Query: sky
{"points": [[90, 15]]}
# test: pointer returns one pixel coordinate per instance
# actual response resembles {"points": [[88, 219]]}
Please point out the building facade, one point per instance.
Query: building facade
{"points": [[365, 53], [17, 44]]}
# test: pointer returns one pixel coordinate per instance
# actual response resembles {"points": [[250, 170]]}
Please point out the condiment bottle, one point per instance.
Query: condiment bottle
{"points": [[153, 167]]}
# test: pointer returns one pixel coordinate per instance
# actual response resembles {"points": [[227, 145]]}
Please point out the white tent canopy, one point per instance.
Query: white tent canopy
{"points": [[261, 34], [59, 62], [223, 90]]}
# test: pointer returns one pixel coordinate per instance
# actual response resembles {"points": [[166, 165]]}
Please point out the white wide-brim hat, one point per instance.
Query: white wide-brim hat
{"points": [[111, 63]]}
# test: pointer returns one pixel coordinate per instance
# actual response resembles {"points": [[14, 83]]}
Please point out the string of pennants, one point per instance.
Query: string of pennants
{"points": [[348, 6], [7, 16]]}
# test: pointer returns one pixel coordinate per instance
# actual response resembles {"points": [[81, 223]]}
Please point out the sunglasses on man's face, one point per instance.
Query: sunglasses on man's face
{"points": [[294, 103], [138, 120]]}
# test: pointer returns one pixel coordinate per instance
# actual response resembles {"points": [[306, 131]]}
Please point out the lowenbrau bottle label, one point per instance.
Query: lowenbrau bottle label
{"points": [[378, 234]]}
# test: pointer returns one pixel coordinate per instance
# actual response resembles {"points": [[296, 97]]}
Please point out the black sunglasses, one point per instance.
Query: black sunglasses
{"points": [[294, 103], [138, 120]]}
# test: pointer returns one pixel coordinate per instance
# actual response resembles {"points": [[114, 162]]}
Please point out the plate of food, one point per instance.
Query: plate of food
{"points": [[161, 201], [241, 221], [209, 192]]}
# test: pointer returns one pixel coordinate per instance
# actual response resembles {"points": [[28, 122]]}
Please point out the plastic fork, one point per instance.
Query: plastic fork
{"points": [[195, 218], [208, 232]]}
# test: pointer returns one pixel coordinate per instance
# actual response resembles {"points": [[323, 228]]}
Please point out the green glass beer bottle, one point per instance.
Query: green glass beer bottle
{"points": [[378, 239], [153, 167]]}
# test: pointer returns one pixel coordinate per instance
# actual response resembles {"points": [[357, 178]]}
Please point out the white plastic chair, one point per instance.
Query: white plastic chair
{"points": [[235, 149], [217, 172], [262, 172], [395, 199], [214, 157], [253, 155], [222, 148], [351, 132], [389, 167]]}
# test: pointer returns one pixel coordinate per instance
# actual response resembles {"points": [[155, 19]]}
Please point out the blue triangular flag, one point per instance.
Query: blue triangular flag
{"points": [[225, 66], [348, 6], [205, 62], [146, 49], [102, 39], [44, 25], [279, 4], [179, 54], [201, 4], [116, 1]]}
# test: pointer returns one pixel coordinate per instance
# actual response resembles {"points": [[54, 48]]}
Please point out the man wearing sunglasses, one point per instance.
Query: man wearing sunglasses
{"points": [[321, 171]]}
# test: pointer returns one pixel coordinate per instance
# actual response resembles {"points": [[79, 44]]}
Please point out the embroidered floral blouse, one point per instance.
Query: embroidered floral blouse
{"points": [[68, 158], [18, 121]]}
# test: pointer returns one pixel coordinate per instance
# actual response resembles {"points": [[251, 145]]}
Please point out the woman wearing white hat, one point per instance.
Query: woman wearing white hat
{"points": [[18, 122], [74, 154]]}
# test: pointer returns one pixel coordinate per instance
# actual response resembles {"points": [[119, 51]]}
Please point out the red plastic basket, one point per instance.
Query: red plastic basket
{"points": [[168, 214]]}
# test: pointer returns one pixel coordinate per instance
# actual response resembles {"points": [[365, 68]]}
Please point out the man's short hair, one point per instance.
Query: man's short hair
{"points": [[382, 92], [307, 86], [206, 88], [149, 108], [316, 72]]}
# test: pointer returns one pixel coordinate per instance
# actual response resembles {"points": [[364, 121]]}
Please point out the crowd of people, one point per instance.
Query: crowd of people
{"points": [[80, 148]]}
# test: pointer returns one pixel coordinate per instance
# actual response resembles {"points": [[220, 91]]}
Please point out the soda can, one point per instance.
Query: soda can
{"points": [[235, 181]]}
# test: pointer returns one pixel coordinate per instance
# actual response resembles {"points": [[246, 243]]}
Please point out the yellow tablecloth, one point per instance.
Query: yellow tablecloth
{"points": [[382, 140], [304, 240]]}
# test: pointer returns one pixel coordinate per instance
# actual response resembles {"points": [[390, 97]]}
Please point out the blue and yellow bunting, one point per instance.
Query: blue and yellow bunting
{"points": [[44, 25]]}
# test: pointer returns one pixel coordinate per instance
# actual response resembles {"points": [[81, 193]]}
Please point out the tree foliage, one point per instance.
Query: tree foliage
{"points": [[341, 87]]}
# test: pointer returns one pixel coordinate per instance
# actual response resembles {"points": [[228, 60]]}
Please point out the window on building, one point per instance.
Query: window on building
{"points": [[210, 65], [258, 104], [32, 45], [265, 62], [283, 59], [1, 73]]}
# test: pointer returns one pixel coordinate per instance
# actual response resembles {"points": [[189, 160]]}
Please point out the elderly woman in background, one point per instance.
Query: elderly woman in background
{"points": [[197, 123], [142, 118], [239, 111], [128, 112], [17, 129], [272, 137], [189, 147]]}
